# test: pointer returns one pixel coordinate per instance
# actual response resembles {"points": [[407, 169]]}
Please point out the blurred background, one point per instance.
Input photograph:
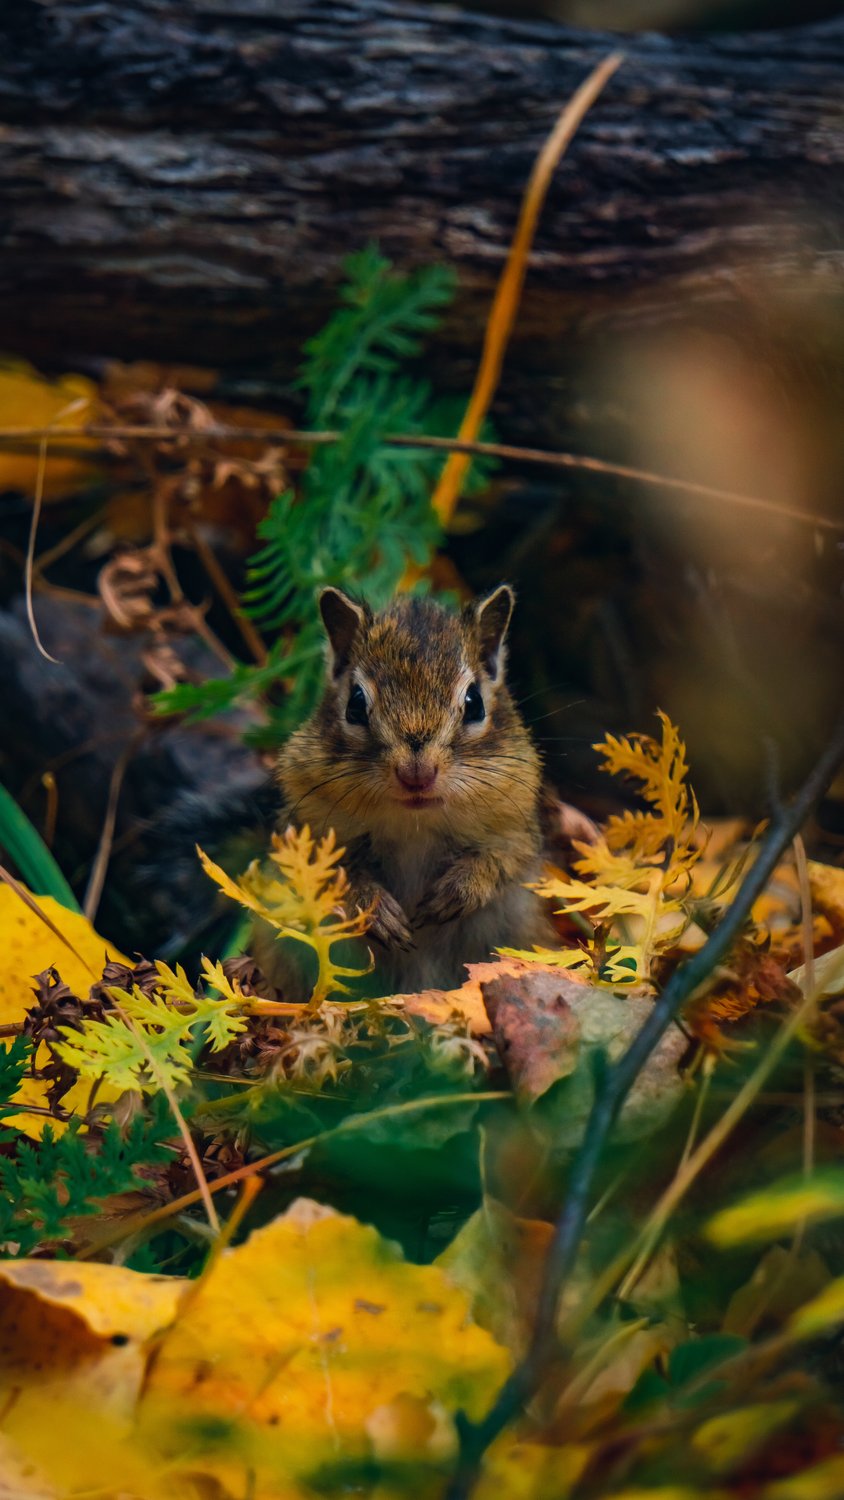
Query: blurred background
{"points": [[182, 186]]}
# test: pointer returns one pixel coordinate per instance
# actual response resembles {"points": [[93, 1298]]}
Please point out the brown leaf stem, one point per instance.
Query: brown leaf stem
{"points": [[549, 458]]}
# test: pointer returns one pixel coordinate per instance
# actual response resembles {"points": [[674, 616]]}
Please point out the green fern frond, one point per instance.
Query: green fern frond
{"points": [[149, 1042], [46, 1184], [381, 322], [14, 1062], [362, 509]]}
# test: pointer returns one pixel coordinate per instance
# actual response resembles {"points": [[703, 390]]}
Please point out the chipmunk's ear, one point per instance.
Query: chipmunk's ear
{"points": [[492, 616], [342, 618]]}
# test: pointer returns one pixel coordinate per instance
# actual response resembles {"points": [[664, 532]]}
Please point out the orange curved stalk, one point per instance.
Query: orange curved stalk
{"points": [[508, 292]]}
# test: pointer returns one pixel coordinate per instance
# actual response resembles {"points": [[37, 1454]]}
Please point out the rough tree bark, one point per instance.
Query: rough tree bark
{"points": [[181, 178]]}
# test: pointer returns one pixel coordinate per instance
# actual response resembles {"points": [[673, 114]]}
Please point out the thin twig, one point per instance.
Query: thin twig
{"points": [[221, 583], [809, 1104], [37, 1109], [30, 553], [610, 1095], [51, 811], [29, 566], [97, 877], [68, 541], [144, 1221], [544, 457], [220, 1242]]}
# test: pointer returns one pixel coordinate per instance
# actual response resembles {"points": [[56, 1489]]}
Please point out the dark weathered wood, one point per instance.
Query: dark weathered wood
{"points": [[183, 178]]}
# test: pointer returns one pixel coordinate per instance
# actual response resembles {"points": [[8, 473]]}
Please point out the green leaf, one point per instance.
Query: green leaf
{"points": [[689, 1360], [46, 1184], [779, 1209], [686, 1363], [26, 848], [14, 1061]]}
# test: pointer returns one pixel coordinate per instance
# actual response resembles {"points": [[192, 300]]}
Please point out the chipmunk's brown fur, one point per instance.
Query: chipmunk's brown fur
{"points": [[420, 761]]}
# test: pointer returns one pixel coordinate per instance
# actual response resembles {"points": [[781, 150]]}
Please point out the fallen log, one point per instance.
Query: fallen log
{"points": [[182, 178]]}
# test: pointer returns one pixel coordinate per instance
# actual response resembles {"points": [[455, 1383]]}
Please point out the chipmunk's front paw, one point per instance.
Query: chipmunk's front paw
{"points": [[456, 892], [388, 924]]}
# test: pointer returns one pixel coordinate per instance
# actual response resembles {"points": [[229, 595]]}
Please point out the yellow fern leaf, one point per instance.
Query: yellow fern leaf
{"points": [[632, 881], [621, 965], [176, 986], [305, 904], [558, 958], [612, 867], [657, 766], [661, 769], [602, 901], [215, 975]]}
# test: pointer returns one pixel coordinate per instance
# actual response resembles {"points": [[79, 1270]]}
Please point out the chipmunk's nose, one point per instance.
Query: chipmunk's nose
{"points": [[415, 777]]}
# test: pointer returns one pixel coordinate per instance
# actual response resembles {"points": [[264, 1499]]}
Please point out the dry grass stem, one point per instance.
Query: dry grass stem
{"points": [[505, 304], [542, 457]]}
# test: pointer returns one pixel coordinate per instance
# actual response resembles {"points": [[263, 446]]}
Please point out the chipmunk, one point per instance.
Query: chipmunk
{"points": [[419, 760]]}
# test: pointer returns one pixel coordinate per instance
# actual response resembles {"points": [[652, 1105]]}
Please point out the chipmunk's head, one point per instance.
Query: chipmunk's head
{"points": [[417, 711]]}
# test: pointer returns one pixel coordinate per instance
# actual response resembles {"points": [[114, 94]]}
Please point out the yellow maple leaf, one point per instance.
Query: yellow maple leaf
{"points": [[315, 1323], [570, 959], [74, 1347]]}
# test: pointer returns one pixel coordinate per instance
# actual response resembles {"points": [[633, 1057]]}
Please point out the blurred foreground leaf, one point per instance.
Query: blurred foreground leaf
{"points": [[779, 1209], [309, 1350]]}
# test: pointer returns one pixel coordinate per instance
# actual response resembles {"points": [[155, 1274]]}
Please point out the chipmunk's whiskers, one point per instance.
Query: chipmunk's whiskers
{"points": [[496, 782]]}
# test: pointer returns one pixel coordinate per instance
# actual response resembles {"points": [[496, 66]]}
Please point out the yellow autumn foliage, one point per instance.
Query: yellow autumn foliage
{"points": [[821, 1314], [312, 1345], [301, 897], [30, 947], [27, 399], [779, 1209], [631, 883]]}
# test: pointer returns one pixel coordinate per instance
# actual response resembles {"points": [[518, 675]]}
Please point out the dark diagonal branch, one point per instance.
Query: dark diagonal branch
{"points": [[616, 1084]]}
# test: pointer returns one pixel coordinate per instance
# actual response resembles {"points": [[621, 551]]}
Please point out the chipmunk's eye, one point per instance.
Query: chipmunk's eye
{"points": [[356, 707], [473, 706]]}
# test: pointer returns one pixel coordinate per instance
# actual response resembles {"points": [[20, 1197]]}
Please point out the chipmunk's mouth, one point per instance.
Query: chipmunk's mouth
{"points": [[419, 801]]}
